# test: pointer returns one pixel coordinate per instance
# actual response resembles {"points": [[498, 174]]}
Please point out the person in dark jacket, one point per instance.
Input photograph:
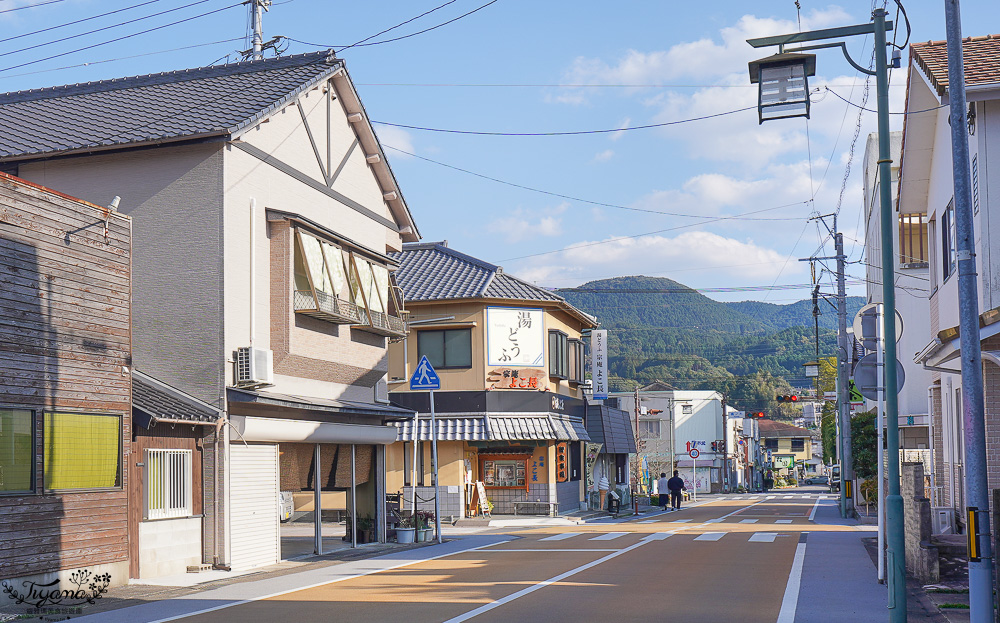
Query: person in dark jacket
{"points": [[676, 485]]}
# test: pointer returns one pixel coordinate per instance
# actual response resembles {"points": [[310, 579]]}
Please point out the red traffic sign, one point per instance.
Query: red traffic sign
{"points": [[695, 453]]}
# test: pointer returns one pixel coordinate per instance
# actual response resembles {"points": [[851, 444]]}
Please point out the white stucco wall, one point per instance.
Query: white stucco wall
{"points": [[168, 546]]}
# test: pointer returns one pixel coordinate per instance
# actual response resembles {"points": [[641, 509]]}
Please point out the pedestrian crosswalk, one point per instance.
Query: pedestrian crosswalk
{"points": [[710, 536], [627, 538]]}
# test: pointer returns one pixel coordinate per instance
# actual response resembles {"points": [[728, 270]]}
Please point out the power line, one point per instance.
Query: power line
{"points": [[570, 133], [135, 34], [587, 201], [79, 21], [30, 6], [357, 43], [863, 109], [687, 290], [103, 28]]}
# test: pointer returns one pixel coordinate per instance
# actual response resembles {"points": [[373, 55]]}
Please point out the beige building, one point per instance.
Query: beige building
{"points": [[510, 412], [787, 448]]}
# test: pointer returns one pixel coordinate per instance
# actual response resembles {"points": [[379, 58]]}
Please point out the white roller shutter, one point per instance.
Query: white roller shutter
{"points": [[254, 505]]}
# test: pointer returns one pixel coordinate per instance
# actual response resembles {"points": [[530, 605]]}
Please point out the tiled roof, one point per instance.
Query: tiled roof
{"points": [[770, 428], [160, 401], [981, 56], [612, 427], [209, 101], [448, 429], [535, 427], [434, 272]]}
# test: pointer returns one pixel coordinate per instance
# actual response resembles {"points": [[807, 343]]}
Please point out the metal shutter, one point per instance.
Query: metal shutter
{"points": [[254, 505]]}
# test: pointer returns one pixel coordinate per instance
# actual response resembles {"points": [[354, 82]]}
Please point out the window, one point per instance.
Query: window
{"points": [[649, 429], [504, 472], [558, 354], [168, 483], [576, 361], [446, 348], [948, 250], [82, 451], [770, 444], [912, 239], [798, 445], [17, 450], [687, 409]]}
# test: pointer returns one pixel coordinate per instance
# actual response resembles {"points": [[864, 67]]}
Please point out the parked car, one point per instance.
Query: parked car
{"points": [[816, 480]]}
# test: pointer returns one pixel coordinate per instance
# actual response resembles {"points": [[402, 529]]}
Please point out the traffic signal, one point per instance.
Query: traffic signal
{"points": [[759, 414], [562, 463], [715, 446], [787, 398]]}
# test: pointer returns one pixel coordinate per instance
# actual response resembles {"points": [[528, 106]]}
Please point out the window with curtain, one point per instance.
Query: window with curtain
{"points": [[576, 361], [948, 250], [770, 444], [82, 451], [912, 239], [649, 429], [798, 445], [17, 449], [446, 348]]}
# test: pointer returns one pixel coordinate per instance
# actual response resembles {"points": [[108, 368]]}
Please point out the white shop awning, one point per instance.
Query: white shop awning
{"points": [[279, 430]]}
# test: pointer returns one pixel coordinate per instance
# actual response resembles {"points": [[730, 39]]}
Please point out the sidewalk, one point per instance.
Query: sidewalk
{"points": [[839, 580]]}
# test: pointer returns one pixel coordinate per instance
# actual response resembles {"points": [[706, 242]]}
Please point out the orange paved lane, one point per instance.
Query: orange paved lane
{"points": [[731, 578]]}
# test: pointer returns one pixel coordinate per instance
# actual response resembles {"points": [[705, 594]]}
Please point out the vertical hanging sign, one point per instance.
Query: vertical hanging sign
{"points": [[599, 362]]}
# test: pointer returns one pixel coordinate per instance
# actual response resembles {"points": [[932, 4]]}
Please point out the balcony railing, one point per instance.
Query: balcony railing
{"points": [[328, 307], [384, 324]]}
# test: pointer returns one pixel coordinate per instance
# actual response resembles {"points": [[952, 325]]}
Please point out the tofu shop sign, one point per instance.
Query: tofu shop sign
{"points": [[518, 378]]}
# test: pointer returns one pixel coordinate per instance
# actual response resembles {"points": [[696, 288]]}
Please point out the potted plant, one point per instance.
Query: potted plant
{"points": [[365, 528], [424, 530], [406, 532]]}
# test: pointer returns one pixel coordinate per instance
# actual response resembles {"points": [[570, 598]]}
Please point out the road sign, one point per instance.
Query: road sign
{"points": [[867, 380], [855, 395], [865, 329], [695, 453], [424, 377]]}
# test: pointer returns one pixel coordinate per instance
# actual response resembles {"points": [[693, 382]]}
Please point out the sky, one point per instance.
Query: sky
{"points": [[706, 197]]}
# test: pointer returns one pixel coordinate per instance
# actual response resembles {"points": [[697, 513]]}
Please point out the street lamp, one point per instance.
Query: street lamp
{"points": [[783, 81], [894, 501], [812, 369]]}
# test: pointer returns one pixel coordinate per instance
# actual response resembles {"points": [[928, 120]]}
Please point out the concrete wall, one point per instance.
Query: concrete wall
{"points": [[168, 546]]}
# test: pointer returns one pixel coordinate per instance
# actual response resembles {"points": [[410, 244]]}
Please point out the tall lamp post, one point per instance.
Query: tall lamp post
{"points": [[784, 92]]}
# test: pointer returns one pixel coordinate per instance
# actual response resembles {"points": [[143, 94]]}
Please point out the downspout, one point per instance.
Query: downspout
{"points": [[930, 442], [253, 281]]}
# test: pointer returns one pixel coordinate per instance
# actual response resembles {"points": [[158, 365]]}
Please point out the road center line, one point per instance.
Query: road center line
{"points": [[791, 599]]}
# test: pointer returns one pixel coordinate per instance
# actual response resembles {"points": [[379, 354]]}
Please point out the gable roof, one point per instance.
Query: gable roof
{"points": [[159, 401], [770, 428], [434, 272], [980, 55], [217, 102]]}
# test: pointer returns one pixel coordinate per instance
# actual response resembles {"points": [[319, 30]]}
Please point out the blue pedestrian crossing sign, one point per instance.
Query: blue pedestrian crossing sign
{"points": [[424, 377]]}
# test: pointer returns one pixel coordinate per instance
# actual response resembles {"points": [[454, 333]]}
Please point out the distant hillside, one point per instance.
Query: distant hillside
{"points": [[662, 330]]}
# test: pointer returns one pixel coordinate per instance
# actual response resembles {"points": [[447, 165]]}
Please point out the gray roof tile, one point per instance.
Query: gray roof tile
{"points": [[216, 100], [163, 402]]}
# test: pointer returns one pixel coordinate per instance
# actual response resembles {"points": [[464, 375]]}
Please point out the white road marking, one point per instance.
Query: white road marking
{"points": [[762, 537], [791, 598], [679, 520], [546, 550], [609, 536], [710, 536], [749, 520], [649, 521], [783, 521], [717, 520], [657, 536], [789, 497], [560, 537], [770, 497], [812, 515]]}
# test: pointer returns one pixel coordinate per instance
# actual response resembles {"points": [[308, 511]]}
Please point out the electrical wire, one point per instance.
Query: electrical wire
{"points": [[30, 6], [79, 21], [570, 133], [120, 58], [863, 109], [103, 28], [588, 201], [357, 43], [414, 34], [135, 34]]}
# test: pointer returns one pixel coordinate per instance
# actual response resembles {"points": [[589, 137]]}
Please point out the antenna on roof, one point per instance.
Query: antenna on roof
{"points": [[256, 53]]}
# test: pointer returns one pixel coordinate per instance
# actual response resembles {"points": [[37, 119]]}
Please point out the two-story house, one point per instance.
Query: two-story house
{"points": [[789, 448], [264, 214], [926, 186], [65, 353], [672, 423], [510, 413]]}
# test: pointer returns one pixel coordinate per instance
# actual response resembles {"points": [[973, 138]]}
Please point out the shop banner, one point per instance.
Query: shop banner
{"points": [[599, 363]]}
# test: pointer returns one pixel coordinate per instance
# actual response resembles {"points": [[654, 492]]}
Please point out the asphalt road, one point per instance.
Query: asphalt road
{"points": [[730, 559]]}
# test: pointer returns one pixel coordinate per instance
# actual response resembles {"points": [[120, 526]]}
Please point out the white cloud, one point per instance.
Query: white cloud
{"points": [[519, 224], [720, 260], [390, 136], [624, 125], [604, 156]]}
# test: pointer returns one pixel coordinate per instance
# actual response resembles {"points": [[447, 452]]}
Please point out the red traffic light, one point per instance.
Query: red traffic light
{"points": [[758, 414], [787, 398]]}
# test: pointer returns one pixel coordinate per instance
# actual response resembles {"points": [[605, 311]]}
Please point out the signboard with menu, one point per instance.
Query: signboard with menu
{"points": [[599, 363]]}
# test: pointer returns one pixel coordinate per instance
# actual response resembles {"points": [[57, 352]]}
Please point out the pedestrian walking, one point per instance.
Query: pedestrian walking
{"points": [[676, 485], [664, 490]]}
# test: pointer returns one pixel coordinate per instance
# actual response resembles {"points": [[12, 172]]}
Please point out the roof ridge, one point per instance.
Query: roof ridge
{"points": [[170, 77], [924, 44], [442, 248]]}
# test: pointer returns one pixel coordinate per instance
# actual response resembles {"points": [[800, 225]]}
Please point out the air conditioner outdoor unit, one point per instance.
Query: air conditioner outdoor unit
{"points": [[254, 367], [942, 520], [382, 391]]}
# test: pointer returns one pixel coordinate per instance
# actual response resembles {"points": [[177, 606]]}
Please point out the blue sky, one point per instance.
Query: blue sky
{"points": [[520, 66]]}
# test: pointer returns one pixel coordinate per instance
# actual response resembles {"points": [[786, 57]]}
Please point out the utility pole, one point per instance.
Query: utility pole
{"points": [[843, 352], [973, 411], [259, 6]]}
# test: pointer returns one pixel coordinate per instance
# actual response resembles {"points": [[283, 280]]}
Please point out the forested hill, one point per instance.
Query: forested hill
{"points": [[662, 330]]}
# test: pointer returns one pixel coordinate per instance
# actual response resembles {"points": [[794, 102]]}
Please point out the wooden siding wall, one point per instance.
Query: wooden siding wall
{"points": [[65, 335]]}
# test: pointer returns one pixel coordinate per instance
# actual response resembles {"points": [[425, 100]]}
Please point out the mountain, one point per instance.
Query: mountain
{"points": [[662, 330]]}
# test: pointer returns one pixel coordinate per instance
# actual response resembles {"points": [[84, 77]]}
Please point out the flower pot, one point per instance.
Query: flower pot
{"points": [[406, 535], [424, 534]]}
